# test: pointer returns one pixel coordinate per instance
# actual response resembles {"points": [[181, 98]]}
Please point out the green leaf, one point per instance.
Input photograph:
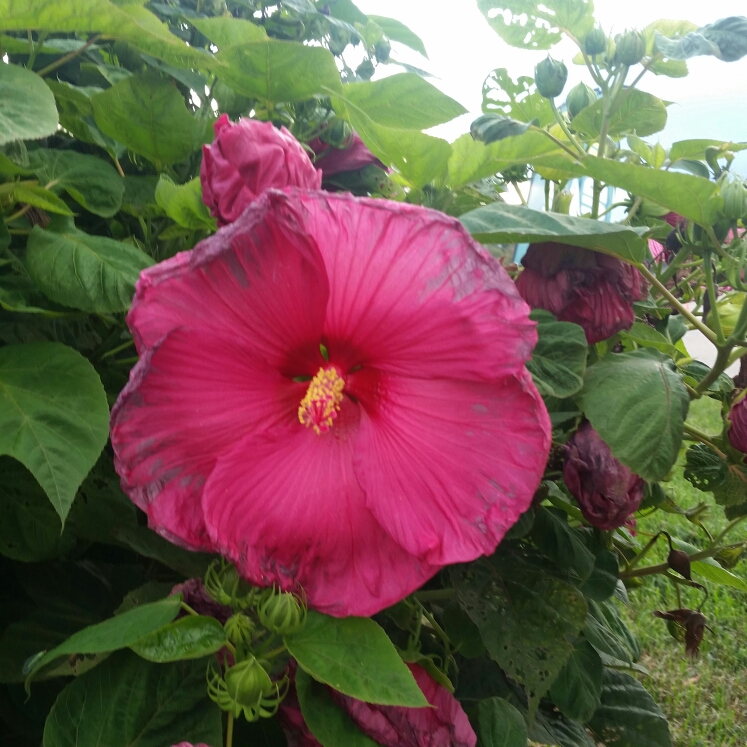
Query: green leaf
{"points": [[490, 128], [500, 223], [559, 358], [635, 111], [116, 633], [696, 149], [91, 182], [325, 719], [129, 702], [724, 39], [462, 632], [525, 617], [499, 724], [355, 657], [273, 70], [637, 402], [404, 101], [710, 569], [603, 580], [628, 716], [704, 468], [183, 204], [605, 641], [534, 25], [191, 637], [227, 31], [29, 526], [561, 543], [54, 415], [40, 197], [27, 108], [91, 273], [576, 690], [519, 100], [398, 32], [148, 115], [647, 337]]}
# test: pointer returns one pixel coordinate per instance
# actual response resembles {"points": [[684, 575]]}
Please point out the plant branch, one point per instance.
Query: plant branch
{"points": [[563, 126], [722, 360], [552, 137], [434, 595], [70, 56], [703, 438]]}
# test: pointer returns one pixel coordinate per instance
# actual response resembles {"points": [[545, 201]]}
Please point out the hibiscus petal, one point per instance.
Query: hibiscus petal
{"points": [[289, 511], [413, 292], [448, 466], [190, 399], [262, 277]]}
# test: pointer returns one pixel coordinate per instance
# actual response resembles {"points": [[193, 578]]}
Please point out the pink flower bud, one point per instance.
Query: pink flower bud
{"points": [[606, 490], [245, 159], [355, 155], [578, 285], [738, 431]]}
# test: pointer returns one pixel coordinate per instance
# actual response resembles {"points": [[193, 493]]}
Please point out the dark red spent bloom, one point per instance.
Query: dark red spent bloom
{"points": [[445, 724], [693, 622], [738, 431], [355, 155], [578, 285], [245, 159], [606, 490]]}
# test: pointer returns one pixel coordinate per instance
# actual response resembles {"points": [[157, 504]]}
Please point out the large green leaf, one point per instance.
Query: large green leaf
{"points": [[130, 702], [274, 70], [91, 273], [637, 402], [628, 716], [29, 526], [183, 203], [563, 544], [27, 108], [530, 24], [519, 100], [325, 719], [559, 357], [696, 149], [499, 223], [500, 724], [577, 689], [404, 101], [397, 31], [354, 656], [191, 637], [116, 633], [604, 577], [54, 416], [90, 181], [32, 194], [635, 111], [227, 31], [148, 115], [525, 616]]}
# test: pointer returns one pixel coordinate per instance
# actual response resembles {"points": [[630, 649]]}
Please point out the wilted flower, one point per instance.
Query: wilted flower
{"points": [[244, 160], [332, 393], [738, 431], [443, 725], [694, 624], [607, 491], [578, 285], [354, 155]]}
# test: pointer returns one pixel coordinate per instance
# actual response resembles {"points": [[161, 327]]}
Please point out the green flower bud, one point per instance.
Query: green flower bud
{"points": [[595, 42], [239, 628], [550, 77], [735, 198], [281, 612], [382, 48], [579, 98], [561, 202], [365, 70], [729, 306], [630, 48], [223, 583], [338, 133], [609, 54], [247, 683]]}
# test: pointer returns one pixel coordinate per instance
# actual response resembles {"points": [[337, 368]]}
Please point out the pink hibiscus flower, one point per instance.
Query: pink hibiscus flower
{"points": [[444, 725], [332, 394]]}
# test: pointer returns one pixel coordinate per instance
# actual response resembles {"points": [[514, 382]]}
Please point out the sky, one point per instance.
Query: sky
{"points": [[463, 49]]}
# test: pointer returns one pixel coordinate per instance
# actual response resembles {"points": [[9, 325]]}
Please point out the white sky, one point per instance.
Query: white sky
{"points": [[463, 49]]}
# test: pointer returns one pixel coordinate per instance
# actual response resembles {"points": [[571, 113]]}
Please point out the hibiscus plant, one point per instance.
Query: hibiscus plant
{"points": [[309, 433]]}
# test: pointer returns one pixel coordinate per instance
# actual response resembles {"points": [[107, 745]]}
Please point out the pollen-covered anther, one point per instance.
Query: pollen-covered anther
{"points": [[322, 401]]}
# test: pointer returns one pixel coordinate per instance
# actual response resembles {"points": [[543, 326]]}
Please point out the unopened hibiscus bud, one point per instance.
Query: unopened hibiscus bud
{"points": [[550, 77], [729, 308], [382, 49], [679, 561], [595, 42], [561, 202], [247, 682], [224, 584], [244, 160], [281, 612], [606, 490], [239, 628], [579, 98], [734, 194], [629, 48], [195, 595], [365, 70], [339, 133], [738, 430], [579, 285]]}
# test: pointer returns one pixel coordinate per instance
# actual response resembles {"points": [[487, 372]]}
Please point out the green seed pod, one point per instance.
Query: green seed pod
{"points": [[247, 683], [729, 306], [281, 612], [579, 98], [239, 628], [630, 48], [735, 198], [550, 77], [382, 48], [595, 42], [365, 70]]}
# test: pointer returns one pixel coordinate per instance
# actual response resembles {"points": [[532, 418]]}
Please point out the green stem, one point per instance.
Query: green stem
{"points": [[711, 289], [122, 347], [722, 360], [728, 529], [642, 554], [563, 126], [664, 567], [275, 652], [675, 303], [704, 438], [434, 595], [633, 210], [556, 141], [518, 192], [672, 267], [229, 731], [70, 56], [735, 356], [35, 48]]}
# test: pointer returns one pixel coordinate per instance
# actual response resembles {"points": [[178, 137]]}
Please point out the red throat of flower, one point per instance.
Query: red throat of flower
{"points": [[322, 401]]}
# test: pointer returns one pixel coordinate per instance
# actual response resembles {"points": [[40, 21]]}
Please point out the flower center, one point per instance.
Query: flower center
{"points": [[322, 401]]}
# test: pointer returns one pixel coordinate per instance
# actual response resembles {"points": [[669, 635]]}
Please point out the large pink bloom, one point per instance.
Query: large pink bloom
{"points": [[444, 725], [415, 443], [245, 159]]}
